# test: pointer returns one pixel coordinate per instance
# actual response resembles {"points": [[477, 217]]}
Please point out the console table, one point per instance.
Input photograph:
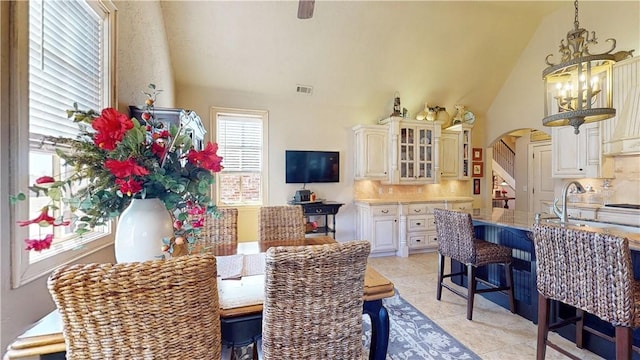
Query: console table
{"points": [[325, 209]]}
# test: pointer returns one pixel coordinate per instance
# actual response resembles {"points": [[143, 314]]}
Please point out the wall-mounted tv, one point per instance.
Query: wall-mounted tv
{"points": [[303, 167]]}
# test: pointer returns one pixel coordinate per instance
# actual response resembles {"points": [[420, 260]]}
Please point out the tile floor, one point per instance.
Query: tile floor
{"points": [[494, 332]]}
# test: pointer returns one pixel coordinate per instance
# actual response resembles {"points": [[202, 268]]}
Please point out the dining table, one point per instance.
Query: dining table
{"points": [[241, 294]]}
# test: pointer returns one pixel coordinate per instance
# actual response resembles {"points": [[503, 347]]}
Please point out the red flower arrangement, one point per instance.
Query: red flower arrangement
{"points": [[121, 159]]}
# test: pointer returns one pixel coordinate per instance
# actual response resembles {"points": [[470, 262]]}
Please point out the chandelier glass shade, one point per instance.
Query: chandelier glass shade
{"points": [[578, 89]]}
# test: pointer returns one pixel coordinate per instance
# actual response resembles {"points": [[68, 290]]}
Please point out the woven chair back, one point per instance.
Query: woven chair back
{"points": [[219, 234], [455, 235], [281, 225], [313, 301], [160, 309], [588, 270]]}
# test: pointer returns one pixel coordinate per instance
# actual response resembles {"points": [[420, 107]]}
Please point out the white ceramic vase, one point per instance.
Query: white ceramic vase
{"points": [[141, 228]]}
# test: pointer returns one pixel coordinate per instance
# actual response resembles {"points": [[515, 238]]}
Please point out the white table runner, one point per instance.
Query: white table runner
{"points": [[249, 290], [241, 280]]}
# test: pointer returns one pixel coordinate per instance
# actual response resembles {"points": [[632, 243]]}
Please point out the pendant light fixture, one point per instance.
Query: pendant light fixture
{"points": [[578, 89]]}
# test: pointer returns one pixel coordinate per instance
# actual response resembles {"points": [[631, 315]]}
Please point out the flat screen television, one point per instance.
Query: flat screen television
{"points": [[302, 167]]}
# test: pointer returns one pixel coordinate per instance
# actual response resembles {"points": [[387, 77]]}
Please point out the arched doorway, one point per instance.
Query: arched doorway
{"points": [[512, 169]]}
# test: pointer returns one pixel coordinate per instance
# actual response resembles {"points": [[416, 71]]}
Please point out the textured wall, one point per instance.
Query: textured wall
{"points": [[142, 57], [143, 54]]}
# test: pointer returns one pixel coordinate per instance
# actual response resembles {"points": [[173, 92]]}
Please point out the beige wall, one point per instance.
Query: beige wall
{"points": [[143, 54], [142, 59]]}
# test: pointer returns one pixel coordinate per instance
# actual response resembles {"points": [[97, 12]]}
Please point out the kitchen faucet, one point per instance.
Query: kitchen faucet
{"points": [[562, 214]]}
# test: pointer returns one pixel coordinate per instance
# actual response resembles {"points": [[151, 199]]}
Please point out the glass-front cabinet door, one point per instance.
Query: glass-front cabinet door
{"points": [[413, 150], [416, 153], [407, 153], [425, 153]]}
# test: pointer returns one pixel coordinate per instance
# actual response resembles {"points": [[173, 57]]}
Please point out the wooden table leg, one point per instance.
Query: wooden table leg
{"points": [[379, 329]]}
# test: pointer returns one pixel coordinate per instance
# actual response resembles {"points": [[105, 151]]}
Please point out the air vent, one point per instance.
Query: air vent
{"points": [[304, 89]]}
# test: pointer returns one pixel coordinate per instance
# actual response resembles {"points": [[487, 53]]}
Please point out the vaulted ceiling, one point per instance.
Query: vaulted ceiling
{"points": [[355, 53]]}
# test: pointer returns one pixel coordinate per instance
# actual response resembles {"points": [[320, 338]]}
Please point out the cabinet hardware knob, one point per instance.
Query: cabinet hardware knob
{"points": [[418, 224]]}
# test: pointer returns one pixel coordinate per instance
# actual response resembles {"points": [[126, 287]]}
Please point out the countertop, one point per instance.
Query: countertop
{"points": [[524, 221], [450, 199]]}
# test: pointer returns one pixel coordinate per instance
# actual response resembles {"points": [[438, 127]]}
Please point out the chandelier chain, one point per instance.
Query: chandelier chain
{"points": [[576, 23]]}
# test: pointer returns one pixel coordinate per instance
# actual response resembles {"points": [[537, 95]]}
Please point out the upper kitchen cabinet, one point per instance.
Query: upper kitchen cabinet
{"points": [[449, 155], [576, 156], [371, 152], [455, 154], [414, 151]]}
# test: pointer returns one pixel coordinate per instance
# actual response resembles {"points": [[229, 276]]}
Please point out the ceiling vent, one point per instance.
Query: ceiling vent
{"points": [[304, 89]]}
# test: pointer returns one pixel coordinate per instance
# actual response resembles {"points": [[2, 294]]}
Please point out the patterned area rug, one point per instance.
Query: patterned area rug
{"points": [[412, 336], [415, 336]]}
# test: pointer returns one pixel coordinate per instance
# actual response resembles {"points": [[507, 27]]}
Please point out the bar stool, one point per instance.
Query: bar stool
{"points": [[592, 272], [456, 240]]}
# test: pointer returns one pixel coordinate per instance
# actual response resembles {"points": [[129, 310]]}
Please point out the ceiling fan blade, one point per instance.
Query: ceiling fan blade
{"points": [[305, 9]]}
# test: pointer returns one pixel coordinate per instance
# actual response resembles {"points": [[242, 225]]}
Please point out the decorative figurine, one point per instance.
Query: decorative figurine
{"points": [[458, 118], [397, 110], [422, 115]]}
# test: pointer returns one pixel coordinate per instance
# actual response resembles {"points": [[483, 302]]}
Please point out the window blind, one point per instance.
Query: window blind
{"points": [[65, 62], [239, 142]]}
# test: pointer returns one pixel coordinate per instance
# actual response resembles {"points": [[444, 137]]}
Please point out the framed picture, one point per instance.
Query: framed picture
{"points": [[477, 169], [476, 186], [476, 154]]}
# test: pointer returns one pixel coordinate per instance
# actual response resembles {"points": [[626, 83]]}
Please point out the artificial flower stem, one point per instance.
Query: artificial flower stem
{"points": [[173, 142]]}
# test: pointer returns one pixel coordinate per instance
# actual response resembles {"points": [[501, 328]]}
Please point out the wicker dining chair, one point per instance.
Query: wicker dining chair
{"points": [[219, 234], [313, 301], [159, 309], [456, 240], [281, 225], [592, 272]]}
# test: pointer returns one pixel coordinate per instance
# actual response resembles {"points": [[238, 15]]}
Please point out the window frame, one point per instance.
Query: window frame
{"points": [[264, 171], [19, 146]]}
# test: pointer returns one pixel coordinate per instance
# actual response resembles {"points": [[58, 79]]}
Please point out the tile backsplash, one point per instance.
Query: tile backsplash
{"points": [[368, 189], [624, 187]]}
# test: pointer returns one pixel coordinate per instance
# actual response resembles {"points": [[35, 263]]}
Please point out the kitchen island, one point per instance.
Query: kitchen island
{"points": [[513, 229]]}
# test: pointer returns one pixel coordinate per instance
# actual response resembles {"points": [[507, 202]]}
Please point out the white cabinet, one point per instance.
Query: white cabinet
{"points": [[421, 225], [460, 205], [449, 155], [371, 152], [455, 154], [379, 225], [576, 156], [414, 150]]}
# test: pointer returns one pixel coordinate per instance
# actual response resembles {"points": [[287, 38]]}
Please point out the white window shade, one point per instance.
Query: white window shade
{"points": [[240, 143], [65, 65]]}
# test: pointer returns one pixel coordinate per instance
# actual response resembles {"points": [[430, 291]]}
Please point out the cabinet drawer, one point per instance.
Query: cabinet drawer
{"points": [[384, 210], [422, 240], [417, 223], [321, 209], [415, 209], [460, 206], [418, 241]]}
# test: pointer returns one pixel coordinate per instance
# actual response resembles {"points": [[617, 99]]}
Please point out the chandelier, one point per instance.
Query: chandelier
{"points": [[578, 89]]}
